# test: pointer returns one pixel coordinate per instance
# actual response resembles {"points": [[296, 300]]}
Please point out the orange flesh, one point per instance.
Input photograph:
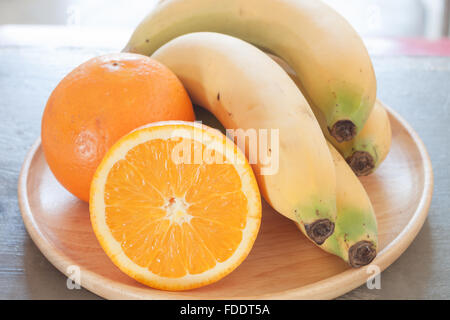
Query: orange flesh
{"points": [[174, 218]]}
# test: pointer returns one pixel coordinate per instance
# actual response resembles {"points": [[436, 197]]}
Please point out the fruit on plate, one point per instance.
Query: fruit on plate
{"points": [[175, 205], [355, 238], [328, 56], [249, 92], [370, 147], [97, 103]]}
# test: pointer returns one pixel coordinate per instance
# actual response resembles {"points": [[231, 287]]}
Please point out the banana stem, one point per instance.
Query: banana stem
{"points": [[361, 253], [343, 130], [361, 162], [319, 230]]}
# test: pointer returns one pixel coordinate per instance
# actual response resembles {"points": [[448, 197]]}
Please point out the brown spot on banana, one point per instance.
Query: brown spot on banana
{"points": [[319, 230], [361, 162], [361, 253], [343, 130]]}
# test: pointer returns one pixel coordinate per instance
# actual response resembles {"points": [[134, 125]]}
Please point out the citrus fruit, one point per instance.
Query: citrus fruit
{"points": [[175, 205], [97, 103]]}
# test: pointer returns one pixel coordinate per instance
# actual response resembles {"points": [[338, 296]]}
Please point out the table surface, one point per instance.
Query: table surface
{"points": [[418, 87]]}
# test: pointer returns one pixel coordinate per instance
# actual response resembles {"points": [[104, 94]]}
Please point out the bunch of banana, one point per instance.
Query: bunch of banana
{"points": [[327, 55], [355, 237], [246, 90], [368, 149]]}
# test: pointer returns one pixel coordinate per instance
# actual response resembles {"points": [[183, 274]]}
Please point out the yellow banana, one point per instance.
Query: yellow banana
{"points": [[370, 146], [328, 56], [246, 90], [355, 237]]}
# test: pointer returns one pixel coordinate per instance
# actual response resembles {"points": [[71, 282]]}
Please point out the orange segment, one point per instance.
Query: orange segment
{"points": [[169, 224], [213, 179], [220, 239], [128, 186], [225, 208], [198, 258]]}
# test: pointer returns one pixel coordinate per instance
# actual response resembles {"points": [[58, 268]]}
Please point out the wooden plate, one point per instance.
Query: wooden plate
{"points": [[283, 264]]}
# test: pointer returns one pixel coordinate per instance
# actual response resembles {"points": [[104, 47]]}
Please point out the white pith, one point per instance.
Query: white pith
{"points": [[176, 209]]}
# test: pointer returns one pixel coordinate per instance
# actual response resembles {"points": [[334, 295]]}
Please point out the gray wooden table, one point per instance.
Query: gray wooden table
{"points": [[417, 87]]}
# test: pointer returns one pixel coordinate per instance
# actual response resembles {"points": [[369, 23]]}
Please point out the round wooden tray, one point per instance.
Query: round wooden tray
{"points": [[283, 264]]}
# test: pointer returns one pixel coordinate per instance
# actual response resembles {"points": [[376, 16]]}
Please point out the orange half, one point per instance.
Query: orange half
{"points": [[175, 205]]}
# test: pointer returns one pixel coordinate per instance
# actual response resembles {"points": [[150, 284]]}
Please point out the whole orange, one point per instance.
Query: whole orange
{"points": [[99, 102]]}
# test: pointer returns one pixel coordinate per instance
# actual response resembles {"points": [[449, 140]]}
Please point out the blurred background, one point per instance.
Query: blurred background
{"points": [[371, 18]]}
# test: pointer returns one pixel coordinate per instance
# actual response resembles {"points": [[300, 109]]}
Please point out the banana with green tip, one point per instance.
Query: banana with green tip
{"points": [[355, 237], [371, 146], [368, 149], [327, 54], [246, 90]]}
